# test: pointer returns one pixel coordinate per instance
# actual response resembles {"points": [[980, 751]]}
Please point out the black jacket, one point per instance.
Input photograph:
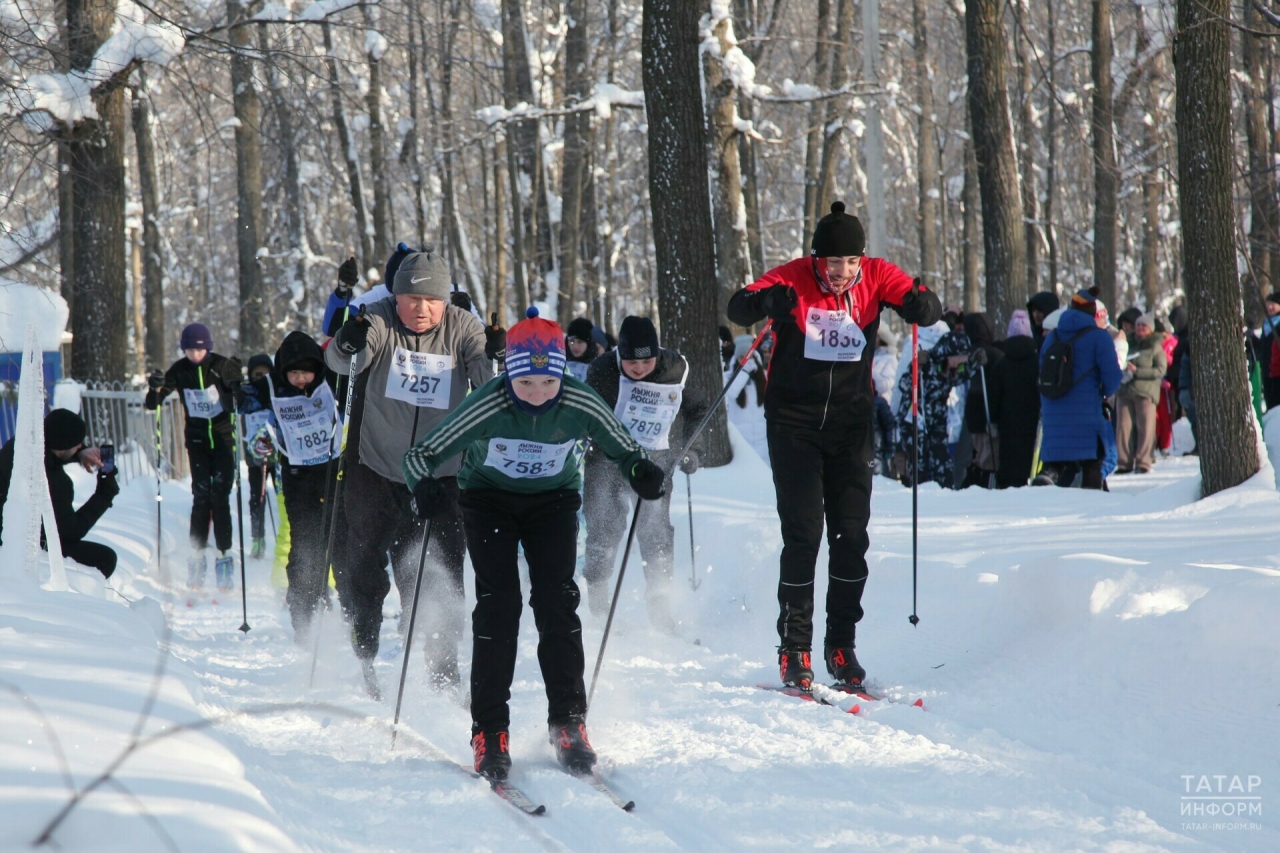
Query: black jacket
{"points": [[604, 376], [1015, 408], [183, 375], [73, 524]]}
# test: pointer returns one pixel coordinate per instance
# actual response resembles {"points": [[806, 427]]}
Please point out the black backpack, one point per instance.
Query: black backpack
{"points": [[1057, 366]]}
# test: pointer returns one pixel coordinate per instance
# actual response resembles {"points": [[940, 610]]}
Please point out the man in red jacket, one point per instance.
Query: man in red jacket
{"points": [[819, 403]]}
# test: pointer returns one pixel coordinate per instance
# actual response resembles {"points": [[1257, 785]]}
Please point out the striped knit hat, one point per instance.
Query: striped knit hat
{"points": [[535, 346]]}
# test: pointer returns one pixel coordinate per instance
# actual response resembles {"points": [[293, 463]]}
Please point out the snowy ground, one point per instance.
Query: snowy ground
{"points": [[1084, 660]]}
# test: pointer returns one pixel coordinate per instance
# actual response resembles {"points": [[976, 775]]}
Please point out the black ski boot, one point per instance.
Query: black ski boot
{"points": [[795, 668], [492, 754], [573, 749], [843, 665]]}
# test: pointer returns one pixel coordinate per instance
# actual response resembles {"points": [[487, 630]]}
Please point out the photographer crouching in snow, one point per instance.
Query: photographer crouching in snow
{"points": [[64, 444]]}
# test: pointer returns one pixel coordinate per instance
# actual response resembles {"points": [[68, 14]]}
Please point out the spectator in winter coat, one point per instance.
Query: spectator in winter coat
{"points": [[1138, 397], [1015, 404], [942, 371], [982, 335], [982, 463], [818, 404], [1039, 307], [253, 418], [1074, 425], [63, 444], [752, 374], [1127, 321], [884, 364], [208, 383], [1266, 342], [726, 349], [1186, 398], [580, 350]]}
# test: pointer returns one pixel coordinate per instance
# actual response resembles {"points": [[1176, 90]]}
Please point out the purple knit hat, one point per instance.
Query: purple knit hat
{"points": [[1019, 324]]}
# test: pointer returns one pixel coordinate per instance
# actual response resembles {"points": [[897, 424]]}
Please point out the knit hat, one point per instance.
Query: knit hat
{"points": [[393, 265], [1148, 320], [423, 274], [535, 346], [637, 339], [1019, 324], [197, 336], [579, 328], [1274, 297], [1046, 302], [601, 338], [259, 360], [1129, 315], [1100, 312], [63, 430], [838, 235]]}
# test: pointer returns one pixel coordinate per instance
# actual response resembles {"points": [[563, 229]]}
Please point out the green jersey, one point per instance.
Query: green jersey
{"points": [[506, 448]]}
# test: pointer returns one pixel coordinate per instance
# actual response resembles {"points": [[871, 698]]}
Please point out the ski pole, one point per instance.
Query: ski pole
{"points": [[159, 497], [408, 640], [693, 558], [613, 605], [271, 513], [244, 593], [331, 510], [986, 410], [915, 464]]}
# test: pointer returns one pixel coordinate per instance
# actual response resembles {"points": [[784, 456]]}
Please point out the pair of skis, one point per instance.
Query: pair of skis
{"points": [[518, 798], [823, 694]]}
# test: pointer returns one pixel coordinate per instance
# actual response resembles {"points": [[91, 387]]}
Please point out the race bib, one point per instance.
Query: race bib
{"points": [[522, 460], [648, 410], [832, 336], [577, 369], [203, 402], [306, 425], [252, 422], [420, 379]]}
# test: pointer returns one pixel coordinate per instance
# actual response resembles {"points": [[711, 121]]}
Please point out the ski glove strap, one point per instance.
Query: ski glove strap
{"points": [[647, 480]]}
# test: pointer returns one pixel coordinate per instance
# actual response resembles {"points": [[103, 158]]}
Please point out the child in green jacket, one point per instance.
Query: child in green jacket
{"points": [[519, 485]]}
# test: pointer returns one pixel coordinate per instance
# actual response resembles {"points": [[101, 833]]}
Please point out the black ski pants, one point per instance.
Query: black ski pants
{"points": [[607, 500], [304, 493], [212, 476], [380, 523], [821, 475], [546, 523]]}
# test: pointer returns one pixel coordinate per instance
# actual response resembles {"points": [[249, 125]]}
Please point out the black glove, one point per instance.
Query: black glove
{"points": [[155, 380], [978, 358], [232, 372], [354, 334], [778, 302], [495, 340], [461, 298], [348, 276], [689, 464], [430, 498], [646, 480], [920, 305], [107, 485]]}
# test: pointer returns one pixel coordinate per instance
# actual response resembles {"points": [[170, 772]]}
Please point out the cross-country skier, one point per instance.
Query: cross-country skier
{"points": [[208, 383], [580, 349], [644, 385], [300, 399], [421, 356], [253, 428], [520, 486], [818, 405]]}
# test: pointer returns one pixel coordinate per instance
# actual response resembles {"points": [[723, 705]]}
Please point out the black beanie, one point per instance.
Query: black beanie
{"points": [[393, 264], [63, 430], [579, 328], [637, 339], [838, 235]]}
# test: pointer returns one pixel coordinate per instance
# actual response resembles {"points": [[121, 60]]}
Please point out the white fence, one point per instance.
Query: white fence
{"points": [[113, 413]]}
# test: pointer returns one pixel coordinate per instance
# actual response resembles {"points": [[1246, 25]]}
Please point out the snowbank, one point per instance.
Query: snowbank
{"points": [[25, 304]]}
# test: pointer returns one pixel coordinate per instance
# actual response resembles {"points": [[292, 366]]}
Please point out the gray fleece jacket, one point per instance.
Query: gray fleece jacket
{"points": [[392, 424]]}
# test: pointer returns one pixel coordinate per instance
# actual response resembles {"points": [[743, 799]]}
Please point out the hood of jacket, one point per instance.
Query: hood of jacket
{"points": [[1044, 302], [978, 328], [299, 351]]}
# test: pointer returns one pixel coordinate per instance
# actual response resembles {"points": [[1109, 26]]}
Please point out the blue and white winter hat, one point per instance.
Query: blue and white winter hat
{"points": [[535, 346]]}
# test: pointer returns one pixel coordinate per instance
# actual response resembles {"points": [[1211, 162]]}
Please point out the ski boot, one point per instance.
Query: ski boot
{"points": [[843, 665], [197, 565], [492, 754], [794, 666], [259, 548], [573, 750], [225, 570]]}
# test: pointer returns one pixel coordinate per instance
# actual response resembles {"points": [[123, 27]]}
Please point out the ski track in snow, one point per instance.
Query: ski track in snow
{"points": [[1078, 654]]}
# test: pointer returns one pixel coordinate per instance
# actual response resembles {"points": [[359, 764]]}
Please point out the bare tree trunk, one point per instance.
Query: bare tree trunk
{"points": [[517, 88], [135, 301], [876, 219], [354, 182], [517, 223], [1105, 177], [733, 266], [813, 138], [969, 200], [409, 153], [839, 70], [1264, 217], [1026, 146], [154, 348], [95, 161], [1151, 184], [498, 304], [1220, 380], [1003, 231], [926, 155], [66, 225], [680, 203], [1051, 147], [375, 45], [253, 303], [577, 127]]}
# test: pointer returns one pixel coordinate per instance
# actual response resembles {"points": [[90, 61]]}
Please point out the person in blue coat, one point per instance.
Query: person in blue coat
{"points": [[1075, 428]]}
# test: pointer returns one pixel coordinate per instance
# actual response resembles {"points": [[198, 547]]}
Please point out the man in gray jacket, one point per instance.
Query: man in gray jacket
{"points": [[422, 355]]}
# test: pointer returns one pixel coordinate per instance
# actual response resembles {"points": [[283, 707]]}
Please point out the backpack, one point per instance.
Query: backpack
{"points": [[1057, 367]]}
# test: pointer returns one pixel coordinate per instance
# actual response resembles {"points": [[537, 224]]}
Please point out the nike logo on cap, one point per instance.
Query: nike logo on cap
{"points": [[416, 280]]}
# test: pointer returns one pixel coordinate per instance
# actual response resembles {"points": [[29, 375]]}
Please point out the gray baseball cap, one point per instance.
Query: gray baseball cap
{"points": [[423, 274]]}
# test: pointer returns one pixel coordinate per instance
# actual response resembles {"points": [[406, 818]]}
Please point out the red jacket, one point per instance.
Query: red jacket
{"points": [[815, 393]]}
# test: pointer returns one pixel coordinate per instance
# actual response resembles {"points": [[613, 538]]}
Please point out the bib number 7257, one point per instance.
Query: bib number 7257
{"points": [[416, 384]]}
